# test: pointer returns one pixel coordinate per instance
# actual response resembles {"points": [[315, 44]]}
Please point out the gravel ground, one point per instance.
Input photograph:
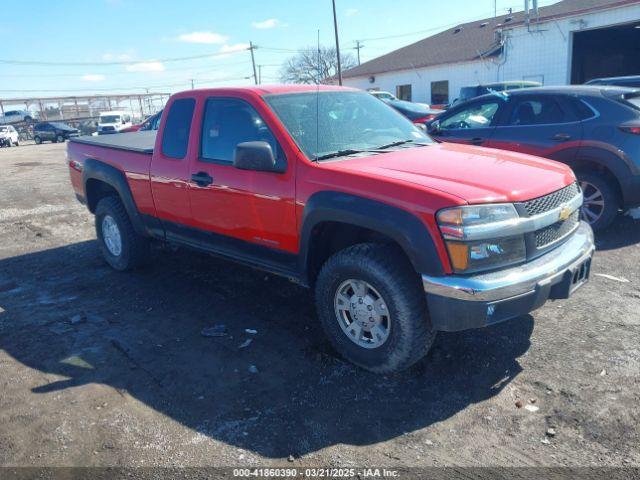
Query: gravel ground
{"points": [[100, 368]]}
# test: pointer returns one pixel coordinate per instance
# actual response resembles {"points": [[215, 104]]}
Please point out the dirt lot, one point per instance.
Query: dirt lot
{"points": [[103, 368]]}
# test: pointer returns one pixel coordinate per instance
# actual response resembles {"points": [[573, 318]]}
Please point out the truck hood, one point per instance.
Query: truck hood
{"points": [[474, 174]]}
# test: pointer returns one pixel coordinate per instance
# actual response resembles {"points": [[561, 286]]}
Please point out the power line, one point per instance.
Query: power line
{"points": [[211, 69], [123, 62], [113, 89]]}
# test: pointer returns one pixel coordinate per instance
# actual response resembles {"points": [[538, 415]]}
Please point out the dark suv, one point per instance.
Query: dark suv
{"points": [[595, 130], [53, 131]]}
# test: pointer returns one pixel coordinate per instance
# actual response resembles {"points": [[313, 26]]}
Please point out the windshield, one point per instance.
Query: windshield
{"points": [[59, 125], [110, 119], [325, 123]]}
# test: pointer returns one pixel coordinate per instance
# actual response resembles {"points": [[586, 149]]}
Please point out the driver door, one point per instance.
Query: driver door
{"points": [[473, 123], [251, 206]]}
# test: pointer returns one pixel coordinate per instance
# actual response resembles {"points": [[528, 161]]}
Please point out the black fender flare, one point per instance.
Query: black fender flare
{"points": [[401, 226], [623, 169], [97, 170]]}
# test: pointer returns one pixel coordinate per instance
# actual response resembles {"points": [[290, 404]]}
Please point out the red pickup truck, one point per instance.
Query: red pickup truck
{"points": [[399, 236]]}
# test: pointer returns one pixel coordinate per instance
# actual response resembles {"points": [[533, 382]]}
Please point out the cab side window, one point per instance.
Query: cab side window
{"points": [[228, 122], [478, 115]]}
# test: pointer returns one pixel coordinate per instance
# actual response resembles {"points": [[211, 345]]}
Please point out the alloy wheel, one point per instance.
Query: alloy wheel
{"points": [[362, 313], [111, 236], [593, 204]]}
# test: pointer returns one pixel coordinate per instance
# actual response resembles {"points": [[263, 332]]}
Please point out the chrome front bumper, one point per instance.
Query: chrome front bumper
{"points": [[503, 294]]}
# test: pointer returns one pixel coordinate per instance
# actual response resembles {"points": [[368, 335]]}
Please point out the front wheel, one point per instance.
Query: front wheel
{"points": [[121, 246], [9, 143], [59, 139], [601, 205], [37, 139], [373, 309]]}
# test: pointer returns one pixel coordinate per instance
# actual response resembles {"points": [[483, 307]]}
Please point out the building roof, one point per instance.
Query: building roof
{"points": [[471, 41]]}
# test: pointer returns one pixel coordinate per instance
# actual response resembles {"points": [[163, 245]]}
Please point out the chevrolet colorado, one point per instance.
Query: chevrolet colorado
{"points": [[399, 236]]}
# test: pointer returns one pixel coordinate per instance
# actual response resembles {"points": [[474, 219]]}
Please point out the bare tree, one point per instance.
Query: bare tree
{"points": [[310, 67]]}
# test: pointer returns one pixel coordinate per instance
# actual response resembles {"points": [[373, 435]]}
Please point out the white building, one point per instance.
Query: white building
{"points": [[571, 41]]}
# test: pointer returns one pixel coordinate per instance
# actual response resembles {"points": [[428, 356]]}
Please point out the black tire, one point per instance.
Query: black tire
{"points": [[606, 213], [9, 143], [134, 247], [389, 272], [37, 139], [59, 139]]}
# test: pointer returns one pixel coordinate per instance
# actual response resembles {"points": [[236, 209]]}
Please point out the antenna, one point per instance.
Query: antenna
{"points": [[318, 99]]}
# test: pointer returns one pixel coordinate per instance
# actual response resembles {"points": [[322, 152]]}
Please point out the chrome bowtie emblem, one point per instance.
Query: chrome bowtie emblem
{"points": [[565, 212]]}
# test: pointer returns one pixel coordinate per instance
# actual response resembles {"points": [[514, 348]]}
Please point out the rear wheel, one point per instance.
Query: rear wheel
{"points": [[373, 309], [601, 205], [9, 142], [121, 246], [60, 138]]}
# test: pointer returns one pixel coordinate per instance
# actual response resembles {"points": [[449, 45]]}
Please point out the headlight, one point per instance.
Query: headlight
{"points": [[473, 237]]}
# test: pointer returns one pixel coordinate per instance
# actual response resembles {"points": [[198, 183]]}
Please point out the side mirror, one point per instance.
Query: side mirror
{"points": [[434, 127], [257, 156]]}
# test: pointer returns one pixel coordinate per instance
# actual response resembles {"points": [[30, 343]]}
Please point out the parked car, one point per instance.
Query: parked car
{"points": [[467, 93], [150, 123], [389, 97], [88, 127], [113, 122], [9, 136], [17, 116], [594, 130], [415, 112], [382, 95], [53, 132], [330, 188], [630, 82]]}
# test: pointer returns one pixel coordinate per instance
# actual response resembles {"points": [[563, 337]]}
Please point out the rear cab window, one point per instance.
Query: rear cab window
{"points": [[175, 137]]}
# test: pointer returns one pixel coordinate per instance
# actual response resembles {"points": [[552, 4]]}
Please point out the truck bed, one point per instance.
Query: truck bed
{"points": [[142, 142]]}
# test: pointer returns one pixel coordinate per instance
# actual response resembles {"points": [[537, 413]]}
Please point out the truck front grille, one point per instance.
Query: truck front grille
{"points": [[551, 234], [553, 200]]}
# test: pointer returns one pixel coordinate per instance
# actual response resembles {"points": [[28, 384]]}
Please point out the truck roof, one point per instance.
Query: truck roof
{"points": [[262, 90]]}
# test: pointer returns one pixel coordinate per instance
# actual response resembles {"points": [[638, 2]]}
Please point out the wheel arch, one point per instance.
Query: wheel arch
{"points": [[584, 163], [333, 221], [100, 180]]}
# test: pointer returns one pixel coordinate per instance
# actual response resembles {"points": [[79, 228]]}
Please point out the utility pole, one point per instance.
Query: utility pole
{"points": [[357, 48], [335, 27], [192, 87], [253, 62], [260, 74]]}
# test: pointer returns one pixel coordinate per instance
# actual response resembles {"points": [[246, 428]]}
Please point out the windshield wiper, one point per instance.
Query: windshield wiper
{"points": [[339, 153], [401, 142], [393, 144]]}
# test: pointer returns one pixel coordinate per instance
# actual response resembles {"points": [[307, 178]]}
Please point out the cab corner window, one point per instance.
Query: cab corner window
{"points": [[228, 122], [175, 137]]}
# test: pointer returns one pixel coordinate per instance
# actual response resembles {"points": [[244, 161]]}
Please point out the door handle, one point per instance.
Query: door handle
{"points": [[202, 179], [561, 137], [477, 141]]}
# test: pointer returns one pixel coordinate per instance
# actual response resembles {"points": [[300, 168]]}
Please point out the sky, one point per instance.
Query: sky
{"points": [[72, 47]]}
